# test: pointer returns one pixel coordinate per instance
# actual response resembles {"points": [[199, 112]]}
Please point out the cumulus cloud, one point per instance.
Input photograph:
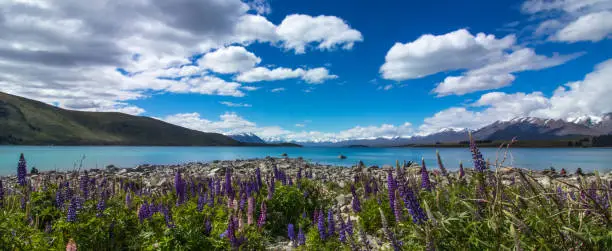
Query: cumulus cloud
{"points": [[498, 74], [230, 59], [232, 104], [571, 20], [64, 51], [311, 76], [592, 27], [231, 123], [489, 61], [587, 97], [430, 54], [330, 32]]}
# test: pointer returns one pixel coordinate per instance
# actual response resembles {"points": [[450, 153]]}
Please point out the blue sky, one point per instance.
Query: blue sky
{"points": [[313, 70]]}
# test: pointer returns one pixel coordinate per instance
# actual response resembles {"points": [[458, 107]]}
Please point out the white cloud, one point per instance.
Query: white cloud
{"points": [[592, 27], [300, 125], [569, 6], [587, 97], [281, 89], [571, 20], [330, 32], [498, 74], [231, 123], [262, 7], [64, 51], [232, 104], [230, 59], [430, 54], [489, 61], [311, 76], [591, 96], [317, 75]]}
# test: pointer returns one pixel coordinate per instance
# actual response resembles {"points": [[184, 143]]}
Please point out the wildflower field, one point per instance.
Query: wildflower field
{"points": [[405, 208]]}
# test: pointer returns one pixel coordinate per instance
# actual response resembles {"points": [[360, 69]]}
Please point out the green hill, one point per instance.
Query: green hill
{"points": [[29, 122]]}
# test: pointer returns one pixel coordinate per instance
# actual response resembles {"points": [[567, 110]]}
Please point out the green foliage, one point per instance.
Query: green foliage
{"points": [[370, 217]]}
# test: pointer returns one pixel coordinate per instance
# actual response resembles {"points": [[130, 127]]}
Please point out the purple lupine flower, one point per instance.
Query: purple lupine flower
{"points": [[231, 231], [21, 171], [356, 203], [391, 188], [72, 210], [321, 225], [291, 233], [341, 231], [349, 226], [414, 208], [227, 188], [23, 202], [143, 212], [331, 226], [101, 206], [207, 227], [479, 164], [397, 209], [271, 188], [250, 205], [425, 182], [301, 239], [242, 202], [201, 201], [262, 215], [388, 234], [367, 188], [84, 186], [167, 216], [441, 165], [128, 200], [211, 200], [461, 171], [258, 177], [1, 193], [179, 186]]}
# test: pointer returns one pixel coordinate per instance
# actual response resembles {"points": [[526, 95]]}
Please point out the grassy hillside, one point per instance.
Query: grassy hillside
{"points": [[28, 122]]}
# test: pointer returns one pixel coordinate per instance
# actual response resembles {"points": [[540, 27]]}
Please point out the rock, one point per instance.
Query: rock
{"points": [[341, 156], [342, 199], [284, 155], [112, 168]]}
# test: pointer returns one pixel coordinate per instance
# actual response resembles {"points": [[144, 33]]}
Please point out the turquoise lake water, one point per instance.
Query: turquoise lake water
{"points": [[65, 158]]}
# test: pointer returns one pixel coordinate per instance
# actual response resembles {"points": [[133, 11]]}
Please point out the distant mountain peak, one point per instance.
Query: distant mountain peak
{"points": [[247, 137]]}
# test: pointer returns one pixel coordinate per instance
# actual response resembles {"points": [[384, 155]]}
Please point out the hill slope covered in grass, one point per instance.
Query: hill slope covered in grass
{"points": [[29, 122]]}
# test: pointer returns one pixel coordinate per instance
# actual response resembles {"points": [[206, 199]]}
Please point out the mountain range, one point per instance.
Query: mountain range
{"points": [[247, 138], [525, 129], [29, 122]]}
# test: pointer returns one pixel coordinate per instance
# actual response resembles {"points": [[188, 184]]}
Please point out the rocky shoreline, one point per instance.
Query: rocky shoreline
{"points": [[154, 176]]}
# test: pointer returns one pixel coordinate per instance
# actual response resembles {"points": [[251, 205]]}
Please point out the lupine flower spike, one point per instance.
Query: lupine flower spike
{"points": [[21, 171]]}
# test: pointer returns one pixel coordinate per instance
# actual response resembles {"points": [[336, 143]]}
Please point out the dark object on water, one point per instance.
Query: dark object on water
{"points": [[342, 156], [284, 154], [563, 172], [579, 171], [34, 170]]}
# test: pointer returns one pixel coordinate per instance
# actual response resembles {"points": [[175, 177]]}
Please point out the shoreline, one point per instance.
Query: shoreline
{"points": [[159, 175]]}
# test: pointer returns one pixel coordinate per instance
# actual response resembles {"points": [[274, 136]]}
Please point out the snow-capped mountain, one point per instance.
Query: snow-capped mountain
{"points": [[247, 138], [532, 128], [523, 128]]}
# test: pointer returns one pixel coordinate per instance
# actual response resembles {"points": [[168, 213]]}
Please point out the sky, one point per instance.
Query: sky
{"points": [[314, 70]]}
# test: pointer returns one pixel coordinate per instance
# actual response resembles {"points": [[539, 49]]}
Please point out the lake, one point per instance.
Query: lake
{"points": [[67, 157]]}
